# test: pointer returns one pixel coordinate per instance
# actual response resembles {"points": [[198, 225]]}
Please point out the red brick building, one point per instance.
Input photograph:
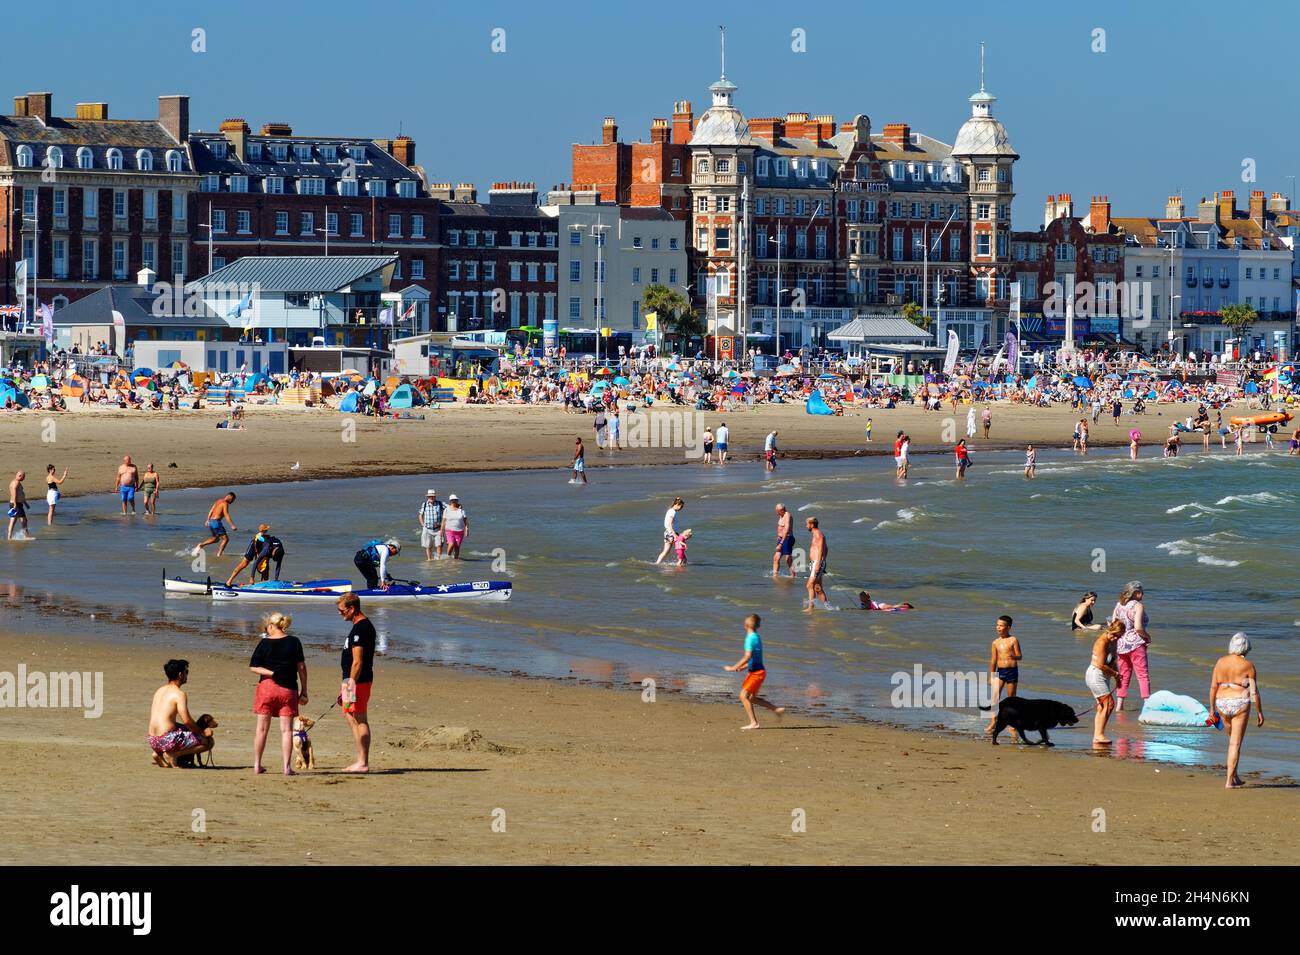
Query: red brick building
{"points": [[656, 173], [90, 200]]}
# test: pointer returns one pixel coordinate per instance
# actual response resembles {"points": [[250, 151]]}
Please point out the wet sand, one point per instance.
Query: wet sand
{"points": [[326, 444], [579, 774]]}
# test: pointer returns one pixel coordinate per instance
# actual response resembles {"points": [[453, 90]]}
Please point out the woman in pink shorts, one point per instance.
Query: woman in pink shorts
{"points": [[455, 525], [279, 664]]}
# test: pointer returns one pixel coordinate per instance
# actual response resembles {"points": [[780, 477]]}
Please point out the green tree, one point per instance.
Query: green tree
{"points": [[1239, 318], [912, 313], [677, 318]]}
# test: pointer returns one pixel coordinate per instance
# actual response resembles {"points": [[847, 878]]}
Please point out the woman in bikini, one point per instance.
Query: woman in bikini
{"points": [[1234, 687], [1101, 670], [149, 488], [1081, 619]]}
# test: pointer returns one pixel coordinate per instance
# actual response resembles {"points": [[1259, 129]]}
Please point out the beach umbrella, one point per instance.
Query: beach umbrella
{"points": [[40, 383], [602, 371], [830, 376], [748, 374], [621, 381], [142, 373], [673, 366], [1113, 377], [1082, 382], [178, 366]]}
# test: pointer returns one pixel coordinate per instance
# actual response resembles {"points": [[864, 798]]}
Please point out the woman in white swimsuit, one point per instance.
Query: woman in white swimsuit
{"points": [[1236, 675]]}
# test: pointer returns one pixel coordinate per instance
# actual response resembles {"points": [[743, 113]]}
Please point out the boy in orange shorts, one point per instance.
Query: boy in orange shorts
{"points": [[753, 660]]}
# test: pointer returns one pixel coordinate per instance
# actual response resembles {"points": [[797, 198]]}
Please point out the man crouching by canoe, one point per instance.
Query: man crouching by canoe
{"points": [[264, 550], [172, 731], [372, 560]]}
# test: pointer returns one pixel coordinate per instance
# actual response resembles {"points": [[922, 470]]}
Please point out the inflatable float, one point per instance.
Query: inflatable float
{"points": [[1163, 708], [1276, 417]]}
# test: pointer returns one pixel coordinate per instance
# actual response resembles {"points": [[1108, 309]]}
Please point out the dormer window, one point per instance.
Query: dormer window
{"points": [[218, 148], [279, 152], [175, 163], [782, 168], [254, 152], [358, 153], [144, 160], [25, 157], [763, 165], [114, 159], [377, 187], [85, 159], [302, 153], [406, 188], [54, 157]]}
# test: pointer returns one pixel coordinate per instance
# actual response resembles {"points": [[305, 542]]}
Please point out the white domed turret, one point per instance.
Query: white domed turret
{"points": [[722, 124], [982, 135]]}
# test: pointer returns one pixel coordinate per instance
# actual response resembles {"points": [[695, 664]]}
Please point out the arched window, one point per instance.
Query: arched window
{"points": [[85, 158], [54, 157], [25, 157], [173, 160], [144, 160], [114, 157]]}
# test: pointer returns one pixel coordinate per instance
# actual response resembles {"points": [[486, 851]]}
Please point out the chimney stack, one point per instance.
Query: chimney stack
{"points": [[404, 150], [277, 129], [1099, 214], [609, 131], [236, 133], [1227, 205], [41, 105], [659, 131], [683, 121], [1208, 210], [898, 134], [1257, 206], [174, 117], [92, 111], [21, 106], [1278, 203], [1174, 207]]}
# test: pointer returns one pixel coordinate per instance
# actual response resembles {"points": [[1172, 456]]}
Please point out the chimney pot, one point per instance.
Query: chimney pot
{"points": [[41, 105]]}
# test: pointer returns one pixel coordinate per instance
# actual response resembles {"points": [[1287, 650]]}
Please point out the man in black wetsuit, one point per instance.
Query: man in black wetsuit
{"points": [[263, 550]]}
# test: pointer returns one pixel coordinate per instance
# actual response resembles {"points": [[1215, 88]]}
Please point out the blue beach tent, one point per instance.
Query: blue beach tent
{"points": [[349, 402], [404, 396], [817, 404]]}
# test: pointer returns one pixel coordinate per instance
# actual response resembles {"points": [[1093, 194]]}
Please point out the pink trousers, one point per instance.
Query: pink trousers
{"points": [[1130, 663]]}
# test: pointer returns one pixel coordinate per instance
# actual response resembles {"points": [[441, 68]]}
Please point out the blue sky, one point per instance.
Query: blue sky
{"points": [[1184, 92]]}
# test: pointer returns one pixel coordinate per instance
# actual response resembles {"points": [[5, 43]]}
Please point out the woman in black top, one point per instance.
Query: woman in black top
{"points": [[279, 663], [1082, 618]]}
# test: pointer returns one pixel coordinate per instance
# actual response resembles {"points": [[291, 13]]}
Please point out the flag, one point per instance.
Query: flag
{"points": [[118, 320], [950, 362], [410, 310], [47, 322], [244, 303], [1013, 313], [20, 279], [1012, 345], [651, 321], [386, 316]]}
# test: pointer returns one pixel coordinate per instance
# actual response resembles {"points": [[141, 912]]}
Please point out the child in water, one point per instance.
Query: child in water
{"points": [[679, 542]]}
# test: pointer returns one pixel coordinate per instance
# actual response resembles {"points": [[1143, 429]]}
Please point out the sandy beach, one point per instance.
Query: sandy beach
{"points": [[480, 437], [584, 775]]}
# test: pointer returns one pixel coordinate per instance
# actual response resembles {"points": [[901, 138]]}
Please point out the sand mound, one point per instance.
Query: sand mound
{"points": [[457, 738]]}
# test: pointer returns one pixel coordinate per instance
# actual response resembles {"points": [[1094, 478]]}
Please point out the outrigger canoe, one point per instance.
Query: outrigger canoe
{"points": [[478, 590], [179, 585], [1276, 417]]}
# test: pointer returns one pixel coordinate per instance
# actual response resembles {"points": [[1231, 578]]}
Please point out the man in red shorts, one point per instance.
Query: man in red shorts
{"points": [[357, 663]]}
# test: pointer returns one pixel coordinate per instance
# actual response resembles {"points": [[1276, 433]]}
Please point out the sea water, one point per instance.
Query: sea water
{"points": [[1211, 536]]}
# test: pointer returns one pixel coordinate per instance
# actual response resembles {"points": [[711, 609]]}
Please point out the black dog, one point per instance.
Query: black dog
{"points": [[1041, 715]]}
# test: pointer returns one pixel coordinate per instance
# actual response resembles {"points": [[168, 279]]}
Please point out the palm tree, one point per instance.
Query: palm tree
{"points": [[676, 316]]}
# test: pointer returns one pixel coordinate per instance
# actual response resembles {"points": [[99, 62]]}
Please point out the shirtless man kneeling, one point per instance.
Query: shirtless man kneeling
{"points": [[172, 731]]}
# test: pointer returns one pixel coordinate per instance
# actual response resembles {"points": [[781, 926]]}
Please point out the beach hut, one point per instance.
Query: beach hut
{"points": [[349, 403], [404, 396]]}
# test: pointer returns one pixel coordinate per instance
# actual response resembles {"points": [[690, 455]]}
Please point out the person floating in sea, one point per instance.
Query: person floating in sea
{"points": [[128, 475], [17, 505], [1031, 462], [784, 542], [1004, 666], [866, 603], [818, 550], [1081, 619], [1237, 675], [1101, 670], [372, 560], [217, 515], [752, 661], [52, 492], [172, 731], [263, 550], [357, 663]]}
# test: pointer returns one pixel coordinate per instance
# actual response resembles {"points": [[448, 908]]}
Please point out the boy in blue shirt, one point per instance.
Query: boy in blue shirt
{"points": [[753, 660]]}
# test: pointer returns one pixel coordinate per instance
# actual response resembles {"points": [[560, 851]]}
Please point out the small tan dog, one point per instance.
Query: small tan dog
{"points": [[303, 756]]}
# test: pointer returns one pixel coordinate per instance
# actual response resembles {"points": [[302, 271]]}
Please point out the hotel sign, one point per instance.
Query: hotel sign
{"points": [[853, 185]]}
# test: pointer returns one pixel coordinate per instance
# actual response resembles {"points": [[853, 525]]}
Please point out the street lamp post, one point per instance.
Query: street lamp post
{"points": [[596, 230], [778, 240], [208, 225]]}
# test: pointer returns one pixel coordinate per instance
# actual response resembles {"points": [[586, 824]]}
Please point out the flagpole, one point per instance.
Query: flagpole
{"points": [[36, 258]]}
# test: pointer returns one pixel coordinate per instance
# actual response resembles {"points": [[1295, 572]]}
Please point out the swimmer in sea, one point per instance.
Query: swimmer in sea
{"points": [[1031, 462], [865, 601], [1081, 619]]}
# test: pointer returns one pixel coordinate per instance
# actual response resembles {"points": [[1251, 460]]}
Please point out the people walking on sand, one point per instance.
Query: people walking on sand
{"points": [[1031, 462], [868, 430], [784, 542], [756, 673], [172, 731], [1236, 675], [1004, 666], [670, 527], [1081, 619], [987, 416], [149, 487], [1116, 409], [962, 457], [128, 475], [612, 427], [579, 463], [280, 665], [430, 518], [818, 551], [17, 506], [218, 513], [1132, 645], [1097, 678], [357, 664], [52, 492], [455, 525], [708, 446], [600, 423], [724, 438]]}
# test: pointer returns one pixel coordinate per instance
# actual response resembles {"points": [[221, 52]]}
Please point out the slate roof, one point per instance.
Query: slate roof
{"points": [[298, 273], [889, 329], [136, 305]]}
